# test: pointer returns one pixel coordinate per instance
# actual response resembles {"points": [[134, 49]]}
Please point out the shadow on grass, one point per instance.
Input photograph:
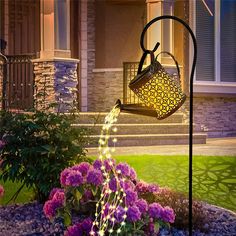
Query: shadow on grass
{"points": [[214, 177]]}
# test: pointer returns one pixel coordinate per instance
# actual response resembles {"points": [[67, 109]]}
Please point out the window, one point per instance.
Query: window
{"points": [[228, 40], [205, 38], [216, 37]]}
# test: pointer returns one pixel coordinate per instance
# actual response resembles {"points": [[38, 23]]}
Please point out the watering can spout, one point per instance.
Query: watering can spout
{"points": [[136, 109]]}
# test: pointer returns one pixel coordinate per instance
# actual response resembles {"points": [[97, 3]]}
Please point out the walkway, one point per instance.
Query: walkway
{"points": [[213, 147]]}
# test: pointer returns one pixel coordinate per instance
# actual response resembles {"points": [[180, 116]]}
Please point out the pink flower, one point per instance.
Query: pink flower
{"points": [[53, 191], [2, 144], [58, 199], [1, 191]]}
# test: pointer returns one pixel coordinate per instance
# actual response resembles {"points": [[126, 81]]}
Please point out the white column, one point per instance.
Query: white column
{"points": [[55, 25], [154, 33], [161, 31]]}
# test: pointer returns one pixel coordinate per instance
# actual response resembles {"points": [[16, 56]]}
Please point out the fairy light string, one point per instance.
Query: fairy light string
{"points": [[109, 201]]}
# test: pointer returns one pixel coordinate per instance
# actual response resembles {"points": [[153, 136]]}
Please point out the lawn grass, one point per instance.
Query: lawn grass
{"points": [[214, 177], [10, 188]]}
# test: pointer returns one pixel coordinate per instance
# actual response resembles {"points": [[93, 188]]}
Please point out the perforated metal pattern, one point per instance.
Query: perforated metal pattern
{"points": [[162, 93]]}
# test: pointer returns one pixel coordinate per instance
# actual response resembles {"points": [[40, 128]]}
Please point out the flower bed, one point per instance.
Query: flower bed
{"points": [[94, 193]]}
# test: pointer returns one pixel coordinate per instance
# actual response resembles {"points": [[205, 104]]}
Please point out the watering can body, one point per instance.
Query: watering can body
{"points": [[159, 92]]}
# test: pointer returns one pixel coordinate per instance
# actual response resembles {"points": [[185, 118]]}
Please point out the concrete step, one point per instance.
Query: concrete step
{"points": [[150, 139], [124, 118], [168, 128]]}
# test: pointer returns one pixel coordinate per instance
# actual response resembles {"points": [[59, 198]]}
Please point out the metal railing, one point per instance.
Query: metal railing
{"points": [[130, 70], [18, 82]]}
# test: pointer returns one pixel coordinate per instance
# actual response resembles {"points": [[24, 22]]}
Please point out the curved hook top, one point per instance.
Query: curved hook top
{"points": [[184, 24]]}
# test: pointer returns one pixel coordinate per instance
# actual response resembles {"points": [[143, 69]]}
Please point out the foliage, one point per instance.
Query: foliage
{"points": [[37, 147], [80, 196]]}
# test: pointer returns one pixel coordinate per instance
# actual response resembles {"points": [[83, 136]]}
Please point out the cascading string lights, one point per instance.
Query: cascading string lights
{"points": [[109, 202]]}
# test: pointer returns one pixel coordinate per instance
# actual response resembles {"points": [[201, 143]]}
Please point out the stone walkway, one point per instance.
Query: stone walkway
{"points": [[213, 147]]}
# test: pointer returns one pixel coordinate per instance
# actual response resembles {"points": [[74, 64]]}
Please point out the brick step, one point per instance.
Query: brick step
{"points": [[150, 140], [124, 118], [168, 128]]}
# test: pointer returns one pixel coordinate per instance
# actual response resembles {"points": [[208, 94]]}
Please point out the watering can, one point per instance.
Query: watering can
{"points": [[160, 93]]}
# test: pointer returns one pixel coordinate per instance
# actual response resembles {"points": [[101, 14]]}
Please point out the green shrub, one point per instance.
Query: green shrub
{"points": [[38, 146]]}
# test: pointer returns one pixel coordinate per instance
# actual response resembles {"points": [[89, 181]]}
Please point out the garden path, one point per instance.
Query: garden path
{"points": [[213, 147]]}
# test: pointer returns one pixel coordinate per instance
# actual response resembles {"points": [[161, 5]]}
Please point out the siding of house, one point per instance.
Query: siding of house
{"points": [[215, 115]]}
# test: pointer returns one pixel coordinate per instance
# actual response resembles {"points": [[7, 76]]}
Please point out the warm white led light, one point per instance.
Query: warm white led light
{"points": [[102, 223]]}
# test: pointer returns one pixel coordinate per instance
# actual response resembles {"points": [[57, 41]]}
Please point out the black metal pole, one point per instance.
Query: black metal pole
{"points": [[190, 101]]}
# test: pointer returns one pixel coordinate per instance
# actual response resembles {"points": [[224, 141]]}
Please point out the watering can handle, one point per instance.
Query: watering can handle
{"points": [[189, 30], [146, 52], [172, 56]]}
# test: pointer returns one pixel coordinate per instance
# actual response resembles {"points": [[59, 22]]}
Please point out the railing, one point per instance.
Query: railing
{"points": [[19, 82], [130, 70]]}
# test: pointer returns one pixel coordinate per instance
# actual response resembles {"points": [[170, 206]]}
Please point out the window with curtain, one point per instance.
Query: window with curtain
{"points": [[228, 40], [205, 38]]}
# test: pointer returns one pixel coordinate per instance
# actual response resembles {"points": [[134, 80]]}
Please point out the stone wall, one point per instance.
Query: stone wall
{"points": [[55, 82], [215, 115], [107, 88]]}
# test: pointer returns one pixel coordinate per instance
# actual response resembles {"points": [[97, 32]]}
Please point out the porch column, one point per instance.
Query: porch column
{"points": [[154, 33], [161, 31], [55, 71]]}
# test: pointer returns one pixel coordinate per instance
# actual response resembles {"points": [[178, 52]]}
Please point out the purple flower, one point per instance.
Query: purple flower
{"points": [[95, 177], [109, 164], [64, 175], [74, 230], [143, 187], [151, 230], [152, 188], [87, 225], [132, 174], [127, 184], [168, 215], [155, 210], [119, 214], [113, 184], [123, 168], [53, 191], [106, 210], [83, 168], [131, 197], [2, 144], [74, 178], [133, 214], [50, 208], [88, 195], [142, 205], [97, 164]]}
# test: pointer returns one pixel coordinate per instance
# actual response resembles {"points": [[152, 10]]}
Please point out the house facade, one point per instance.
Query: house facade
{"points": [[87, 50]]}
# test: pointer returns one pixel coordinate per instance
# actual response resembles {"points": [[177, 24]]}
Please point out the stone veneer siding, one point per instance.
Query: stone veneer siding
{"points": [[107, 88], [55, 82], [215, 115]]}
